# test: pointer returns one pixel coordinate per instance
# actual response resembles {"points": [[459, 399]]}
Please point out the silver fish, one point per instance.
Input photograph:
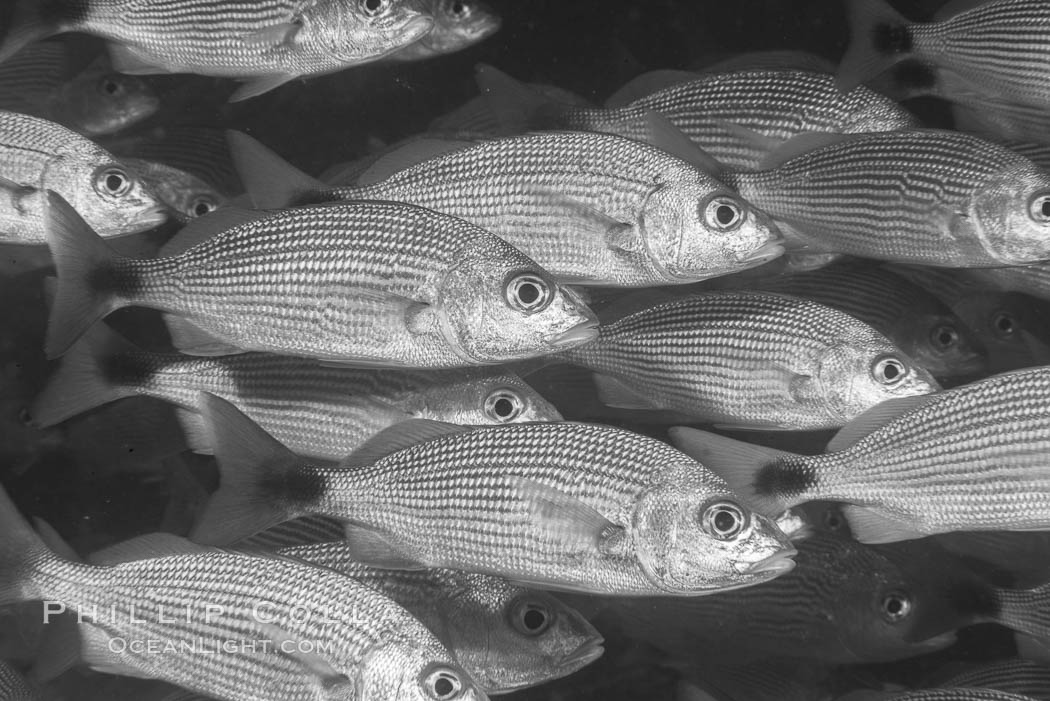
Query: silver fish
{"points": [[14, 687], [318, 411], [1013, 676], [185, 194], [737, 117], [313, 633], [506, 637], [924, 196], [201, 152], [749, 360], [266, 43], [37, 155], [590, 208], [971, 458], [457, 25], [365, 282], [997, 47], [558, 505], [955, 694]]}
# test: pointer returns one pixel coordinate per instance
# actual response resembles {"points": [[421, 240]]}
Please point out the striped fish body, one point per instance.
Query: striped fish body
{"points": [[955, 694], [739, 117], [273, 41], [319, 411], [749, 360], [831, 608], [505, 636], [458, 24], [590, 208], [13, 687], [925, 196], [912, 318], [38, 154], [1013, 676], [366, 282]]}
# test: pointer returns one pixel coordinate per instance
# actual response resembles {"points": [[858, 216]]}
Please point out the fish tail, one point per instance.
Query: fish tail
{"points": [[879, 38], [33, 20], [516, 106], [270, 181], [1026, 610], [87, 278], [21, 551], [88, 376], [770, 481], [261, 482]]}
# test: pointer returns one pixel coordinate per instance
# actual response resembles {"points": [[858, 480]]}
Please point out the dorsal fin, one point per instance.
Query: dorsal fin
{"points": [[146, 547], [874, 419], [802, 144], [408, 154], [648, 83], [665, 135], [398, 437]]}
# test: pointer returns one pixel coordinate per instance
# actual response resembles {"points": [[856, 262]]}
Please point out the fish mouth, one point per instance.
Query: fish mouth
{"points": [[584, 332], [775, 565], [415, 29], [768, 251], [584, 654]]}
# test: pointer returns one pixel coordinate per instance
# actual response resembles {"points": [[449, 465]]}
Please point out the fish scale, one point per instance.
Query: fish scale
{"points": [[736, 358], [776, 105], [13, 687], [562, 198], [896, 195]]}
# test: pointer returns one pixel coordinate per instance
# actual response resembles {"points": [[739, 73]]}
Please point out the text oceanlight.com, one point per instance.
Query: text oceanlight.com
{"points": [[212, 646]]}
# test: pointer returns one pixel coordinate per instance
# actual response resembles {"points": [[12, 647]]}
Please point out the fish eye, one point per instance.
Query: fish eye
{"points": [[504, 405], [201, 206], [1004, 325], [723, 520], [460, 9], [442, 684], [373, 8], [110, 86], [1039, 208], [113, 182], [529, 618], [888, 370], [723, 213], [944, 337], [833, 520], [528, 293], [895, 606]]}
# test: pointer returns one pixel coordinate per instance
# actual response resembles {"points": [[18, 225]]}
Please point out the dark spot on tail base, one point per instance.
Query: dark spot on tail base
{"points": [[60, 12], [113, 277], [125, 369], [892, 39], [915, 75], [785, 477], [972, 598], [297, 486]]}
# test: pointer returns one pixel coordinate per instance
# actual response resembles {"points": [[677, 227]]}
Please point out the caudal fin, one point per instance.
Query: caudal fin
{"points": [[87, 277], [21, 551], [33, 20], [84, 379], [879, 38], [262, 483], [770, 481]]}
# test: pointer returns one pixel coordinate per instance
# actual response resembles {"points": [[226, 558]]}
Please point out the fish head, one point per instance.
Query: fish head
{"points": [[112, 198], [353, 31], [692, 534], [483, 397], [941, 343], [1014, 328], [102, 103], [698, 229], [1010, 216], [509, 638], [496, 306], [459, 24], [854, 375], [413, 671], [185, 194]]}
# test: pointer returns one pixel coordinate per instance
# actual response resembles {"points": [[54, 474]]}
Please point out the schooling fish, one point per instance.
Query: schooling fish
{"points": [[14, 687], [373, 283], [266, 43], [956, 694], [185, 194], [298, 631], [318, 411], [749, 360], [590, 208], [558, 505], [932, 197], [505, 636], [737, 117], [997, 47], [36, 154], [1013, 676], [971, 458], [457, 25]]}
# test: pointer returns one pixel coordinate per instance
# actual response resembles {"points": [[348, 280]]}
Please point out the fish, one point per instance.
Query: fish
{"points": [[201, 152], [506, 637], [913, 319], [957, 694], [970, 45], [92, 101], [458, 24], [263, 45], [319, 411], [593, 209], [323, 629], [843, 603], [923, 196], [971, 458], [186, 195], [1012, 676], [41, 155], [561, 506], [737, 117], [14, 687], [747, 359], [356, 283]]}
